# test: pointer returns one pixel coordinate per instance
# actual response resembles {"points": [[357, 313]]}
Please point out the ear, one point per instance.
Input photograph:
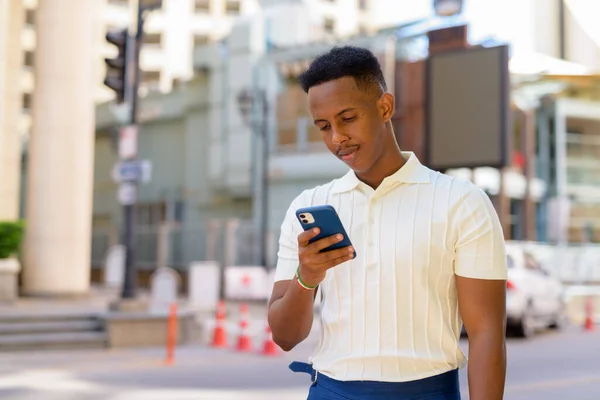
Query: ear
{"points": [[387, 106]]}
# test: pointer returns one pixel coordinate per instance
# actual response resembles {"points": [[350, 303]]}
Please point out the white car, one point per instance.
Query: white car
{"points": [[534, 299]]}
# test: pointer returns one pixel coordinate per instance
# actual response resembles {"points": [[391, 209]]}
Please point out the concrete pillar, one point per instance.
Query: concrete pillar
{"points": [[61, 150], [12, 16]]}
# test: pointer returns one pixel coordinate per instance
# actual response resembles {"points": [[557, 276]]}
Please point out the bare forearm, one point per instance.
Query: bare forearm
{"points": [[487, 366], [291, 316]]}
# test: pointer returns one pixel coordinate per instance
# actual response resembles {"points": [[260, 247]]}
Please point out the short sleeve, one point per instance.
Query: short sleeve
{"points": [[287, 255], [480, 250]]}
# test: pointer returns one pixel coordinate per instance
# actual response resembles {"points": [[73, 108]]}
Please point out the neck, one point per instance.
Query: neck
{"points": [[389, 162]]}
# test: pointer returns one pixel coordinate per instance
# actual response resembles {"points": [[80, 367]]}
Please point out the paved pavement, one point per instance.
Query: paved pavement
{"points": [[552, 366]]}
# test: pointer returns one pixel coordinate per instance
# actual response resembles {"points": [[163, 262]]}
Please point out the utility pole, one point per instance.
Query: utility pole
{"points": [[254, 108], [123, 77]]}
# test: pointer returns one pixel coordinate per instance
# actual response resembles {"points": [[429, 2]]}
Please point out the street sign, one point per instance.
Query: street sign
{"points": [[132, 171], [127, 194], [128, 140]]}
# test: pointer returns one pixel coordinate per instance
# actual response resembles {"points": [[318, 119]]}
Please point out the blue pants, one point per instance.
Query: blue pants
{"points": [[439, 387]]}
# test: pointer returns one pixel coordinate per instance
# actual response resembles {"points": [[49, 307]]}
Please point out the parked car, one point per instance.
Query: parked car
{"points": [[534, 298]]}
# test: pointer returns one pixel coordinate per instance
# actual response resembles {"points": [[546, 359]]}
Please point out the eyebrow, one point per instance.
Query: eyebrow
{"points": [[337, 115]]}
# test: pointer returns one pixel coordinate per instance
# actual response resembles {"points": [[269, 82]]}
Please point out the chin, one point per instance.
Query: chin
{"points": [[358, 166]]}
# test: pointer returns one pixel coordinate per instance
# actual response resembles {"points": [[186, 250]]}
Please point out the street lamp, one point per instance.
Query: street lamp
{"points": [[250, 103]]}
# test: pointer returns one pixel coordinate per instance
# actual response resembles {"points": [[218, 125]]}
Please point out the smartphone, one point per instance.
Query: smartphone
{"points": [[328, 221]]}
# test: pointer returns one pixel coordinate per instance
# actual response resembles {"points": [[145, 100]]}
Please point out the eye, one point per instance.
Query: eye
{"points": [[324, 127], [348, 119]]}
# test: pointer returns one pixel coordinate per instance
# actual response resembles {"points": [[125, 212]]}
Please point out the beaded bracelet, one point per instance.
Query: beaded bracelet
{"points": [[301, 283]]}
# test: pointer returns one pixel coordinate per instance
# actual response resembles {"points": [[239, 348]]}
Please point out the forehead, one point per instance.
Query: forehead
{"points": [[332, 96]]}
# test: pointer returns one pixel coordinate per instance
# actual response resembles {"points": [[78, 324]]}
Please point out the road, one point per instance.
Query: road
{"points": [[551, 366]]}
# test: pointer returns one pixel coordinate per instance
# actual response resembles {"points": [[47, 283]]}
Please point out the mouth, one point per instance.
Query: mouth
{"points": [[348, 154]]}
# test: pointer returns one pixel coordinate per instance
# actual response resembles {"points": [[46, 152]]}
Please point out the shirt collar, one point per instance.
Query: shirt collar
{"points": [[411, 172]]}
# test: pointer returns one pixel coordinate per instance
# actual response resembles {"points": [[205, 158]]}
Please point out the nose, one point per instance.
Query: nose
{"points": [[338, 137]]}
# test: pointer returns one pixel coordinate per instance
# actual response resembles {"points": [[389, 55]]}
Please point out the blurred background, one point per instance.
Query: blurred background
{"points": [[150, 148]]}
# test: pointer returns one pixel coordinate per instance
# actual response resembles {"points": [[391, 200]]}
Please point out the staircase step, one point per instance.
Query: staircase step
{"points": [[46, 317], [7, 328], [62, 340]]}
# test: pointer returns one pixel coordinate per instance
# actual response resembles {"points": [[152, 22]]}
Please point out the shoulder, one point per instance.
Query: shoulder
{"points": [[464, 189], [470, 203], [461, 197], [454, 189]]}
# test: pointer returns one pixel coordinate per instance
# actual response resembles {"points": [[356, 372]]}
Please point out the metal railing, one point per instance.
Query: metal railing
{"points": [[228, 242]]}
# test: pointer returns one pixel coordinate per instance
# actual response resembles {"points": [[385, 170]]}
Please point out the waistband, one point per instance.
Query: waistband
{"points": [[443, 383]]}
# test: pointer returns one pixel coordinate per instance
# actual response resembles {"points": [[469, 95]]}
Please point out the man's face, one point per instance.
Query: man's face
{"points": [[351, 121]]}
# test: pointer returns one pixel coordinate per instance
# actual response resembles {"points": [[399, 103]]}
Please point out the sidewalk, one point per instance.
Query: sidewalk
{"points": [[98, 301], [199, 372]]}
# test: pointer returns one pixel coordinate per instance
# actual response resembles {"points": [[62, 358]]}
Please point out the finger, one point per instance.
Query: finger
{"points": [[327, 256], [306, 236], [326, 242], [338, 260]]}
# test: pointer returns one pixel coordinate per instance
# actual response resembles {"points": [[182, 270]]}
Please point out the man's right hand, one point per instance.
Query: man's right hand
{"points": [[313, 263]]}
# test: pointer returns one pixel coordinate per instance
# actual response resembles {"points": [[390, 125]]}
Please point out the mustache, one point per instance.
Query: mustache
{"points": [[346, 149]]}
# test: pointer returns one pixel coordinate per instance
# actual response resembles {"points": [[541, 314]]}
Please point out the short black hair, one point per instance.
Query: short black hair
{"points": [[346, 61]]}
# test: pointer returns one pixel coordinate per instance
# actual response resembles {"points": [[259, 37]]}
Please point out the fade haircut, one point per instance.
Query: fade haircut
{"points": [[347, 61]]}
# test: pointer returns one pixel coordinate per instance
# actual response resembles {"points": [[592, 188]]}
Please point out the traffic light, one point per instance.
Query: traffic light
{"points": [[116, 67]]}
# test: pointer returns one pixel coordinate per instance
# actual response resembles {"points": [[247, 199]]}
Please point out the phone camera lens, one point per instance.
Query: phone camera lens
{"points": [[302, 216], [305, 221]]}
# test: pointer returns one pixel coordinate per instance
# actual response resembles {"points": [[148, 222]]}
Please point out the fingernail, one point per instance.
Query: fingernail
{"points": [[316, 230], [339, 237], [350, 249]]}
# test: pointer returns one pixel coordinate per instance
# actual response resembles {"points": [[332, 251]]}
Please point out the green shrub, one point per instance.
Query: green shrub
{"points": [[10, 238]]}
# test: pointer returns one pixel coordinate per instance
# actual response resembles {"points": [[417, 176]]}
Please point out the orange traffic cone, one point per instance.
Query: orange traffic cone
{"points": [[589, 315], [269, 347], [220, 335], [244, 342]]}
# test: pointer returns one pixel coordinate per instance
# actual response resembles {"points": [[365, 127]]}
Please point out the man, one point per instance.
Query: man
{"points": [[430, 256]]}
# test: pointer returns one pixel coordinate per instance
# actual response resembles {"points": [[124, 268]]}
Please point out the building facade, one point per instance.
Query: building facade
{"points": [[217, 157]]}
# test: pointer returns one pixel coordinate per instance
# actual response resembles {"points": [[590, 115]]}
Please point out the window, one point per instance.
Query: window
{"points": [[232, 7], [28, 62], [329, 25], [120, 3], [200, 40], [151, 214], [152, 39], [29, 17], [154, 214], [202, 6], [27, 101], [150, 76]]}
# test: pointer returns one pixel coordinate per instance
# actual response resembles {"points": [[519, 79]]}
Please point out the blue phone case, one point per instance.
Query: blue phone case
{"points": [[328, 221]]}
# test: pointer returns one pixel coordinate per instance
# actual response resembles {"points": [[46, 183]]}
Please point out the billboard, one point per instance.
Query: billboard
{"points": [[467, 108]]}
